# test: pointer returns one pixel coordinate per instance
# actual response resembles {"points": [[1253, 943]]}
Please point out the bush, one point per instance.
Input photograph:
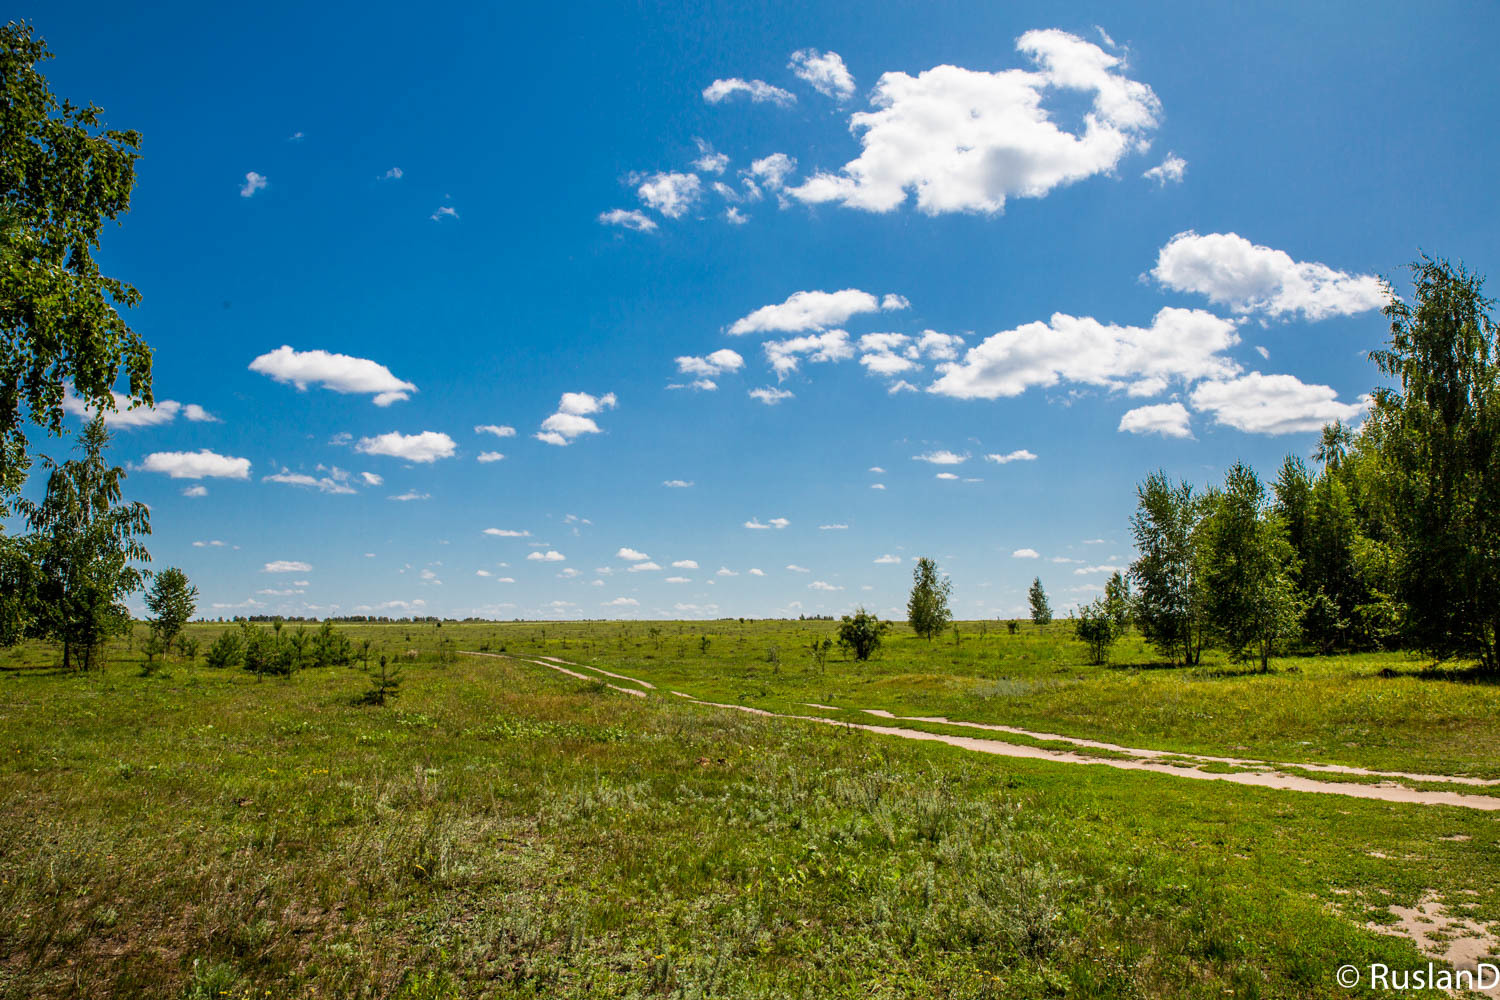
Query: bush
{"points": [[860, 633], [225, 651], [1096, 626]]}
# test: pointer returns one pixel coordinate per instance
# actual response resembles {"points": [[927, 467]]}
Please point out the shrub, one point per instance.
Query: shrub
{"points": [[1096, 626], [860, 633]]}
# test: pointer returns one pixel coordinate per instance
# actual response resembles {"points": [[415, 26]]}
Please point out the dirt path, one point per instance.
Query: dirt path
{"points": [[1265, 775]]}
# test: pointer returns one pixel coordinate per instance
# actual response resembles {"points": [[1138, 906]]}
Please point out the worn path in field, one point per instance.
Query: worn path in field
{"points": [[1265, 775]]}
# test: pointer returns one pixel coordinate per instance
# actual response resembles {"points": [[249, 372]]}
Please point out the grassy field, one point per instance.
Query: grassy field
{"points": [[500, 830]]}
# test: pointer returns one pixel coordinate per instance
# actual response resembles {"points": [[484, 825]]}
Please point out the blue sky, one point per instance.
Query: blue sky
{"points": [[1099, 243]]}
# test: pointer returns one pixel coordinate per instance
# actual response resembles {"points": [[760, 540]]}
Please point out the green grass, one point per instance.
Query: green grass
{"points": [[499, 830]]}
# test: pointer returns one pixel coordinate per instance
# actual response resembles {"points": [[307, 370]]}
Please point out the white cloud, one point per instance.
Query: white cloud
{"points": [[825, 71], [195, 491], [371, 479], [770, 395], [1019, 455], [753, 571], [685, 564], [726, 571], [1273, 404], [202, 464], [253, 182], [772, 171], [676, 484], [672, 194], [549, 556], [759, 91], [572, 417], [1186, 344], [499, 430], [122, 416], [806, 311], [323, 484], [1092, 570], [822, 585], [893, 301], [287, 566], [428, 446], [631, 555], [888, 560], [645, 567], [946, 475], [1166, 419], [393, 174], [876, 469], [678, 579], [779, 522], [628, 219], [1025, 554], [708, 161], [966, 140], [1248, 278], [507, 533], [444, 212], [410, 495], [338, 372], [621, 602], [794, 568], [215, 544], [941, 458], [785, 355], [833, 527], [489, 456], [1168, 171], [713, 364], [877, 486], [735, 217]]}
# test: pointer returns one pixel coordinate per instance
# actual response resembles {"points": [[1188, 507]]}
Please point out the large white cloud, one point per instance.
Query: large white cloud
{"points": [[808, 311], [202, 464], [338, 372], [428, 446], [825, 71], [759, 91], [1186, 344], [1166, 419], [966, 140], [1273, 404], [572, 418], [1249, 278]]}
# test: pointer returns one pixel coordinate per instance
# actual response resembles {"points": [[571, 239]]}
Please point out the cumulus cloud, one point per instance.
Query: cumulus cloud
{"points": [[410, 495], [888, 560], [1273, 404], [335, 482], [833, 527], [551, 555], [507, 533], [676, 484], [1019, 455], [628, 219], [1249, 278], [631, 555], [287, 566], [725, 571], [338, 372], [573, 419], [195, 491], [709, 161], [621, 602], [253, 182], [942, 457], [122, 416], [772, 171], [716, 363], [428, 446], [1186, 344], [685, 564], [499, 430], [946, 475], [645, 567], [812, 310], [1025, 554], [678, 579], [785, 355], [825, 71], [822, 585], [759, 91], [794, 568], [489, 456], [776, 522], [203, 464], [1168, 171], [966, 141], [672, 194], [770, 395], [1166, 419]]}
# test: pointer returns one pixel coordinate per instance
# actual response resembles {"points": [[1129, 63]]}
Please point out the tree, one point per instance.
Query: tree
{"points": [[860, 633], [62, 175], [225, 651], [1117, 602], [172, 602], [927, 609], [1169, 600], [1041, 611], [1334, 445], [86, 543], [1250, 599], [1095, 625], [1439, 432]]}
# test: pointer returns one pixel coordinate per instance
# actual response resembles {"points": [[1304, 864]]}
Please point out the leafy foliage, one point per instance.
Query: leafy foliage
{"points": [[172, 602], [1169, 607], [860, 633], [1096, 626], [927, 609]]}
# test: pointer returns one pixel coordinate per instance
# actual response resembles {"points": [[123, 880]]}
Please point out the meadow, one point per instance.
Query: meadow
{"points": [[501, 829]]}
